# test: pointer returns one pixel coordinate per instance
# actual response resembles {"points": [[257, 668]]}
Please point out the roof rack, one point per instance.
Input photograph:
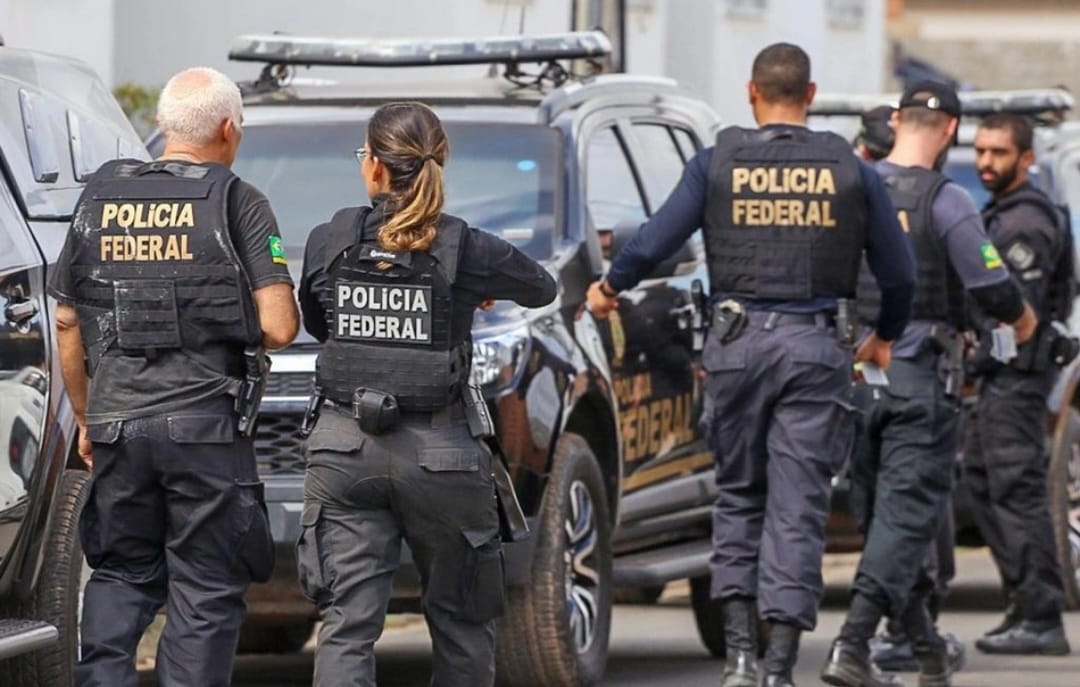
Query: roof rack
{"points": [[409, 52], [1039, 103]]}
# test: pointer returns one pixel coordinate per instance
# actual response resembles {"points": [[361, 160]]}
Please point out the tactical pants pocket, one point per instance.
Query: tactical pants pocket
{"points": [[314, 567], [256, 544], [90, 531], [483, 593]]}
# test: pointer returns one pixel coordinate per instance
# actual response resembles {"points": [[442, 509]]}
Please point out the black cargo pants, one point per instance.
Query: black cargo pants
{"points": [[1005, 468], [779, 422], [175, 516], [901, 478], [427, 482]]}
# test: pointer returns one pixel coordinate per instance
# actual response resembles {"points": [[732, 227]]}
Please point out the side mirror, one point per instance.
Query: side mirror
{"points": [[683, 261]]}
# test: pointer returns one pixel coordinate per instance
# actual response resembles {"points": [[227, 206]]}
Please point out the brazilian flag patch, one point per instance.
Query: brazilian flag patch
{"points": [[990, 256], [277, 251]]}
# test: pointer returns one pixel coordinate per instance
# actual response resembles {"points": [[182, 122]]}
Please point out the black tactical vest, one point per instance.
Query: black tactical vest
{"points": [[154, 266], [1061, 284], [390, 327], [939, 294], [785, 216]]}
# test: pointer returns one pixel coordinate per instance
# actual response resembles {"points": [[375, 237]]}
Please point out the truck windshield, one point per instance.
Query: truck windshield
{"points": [[501, 178]]}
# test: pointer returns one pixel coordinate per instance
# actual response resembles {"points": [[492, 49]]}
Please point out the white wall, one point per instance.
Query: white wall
{"points": [[711, 50], [76, 28], [699, 42], [166, 36]]}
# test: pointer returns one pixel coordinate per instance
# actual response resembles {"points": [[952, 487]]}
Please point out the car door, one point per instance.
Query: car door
{"points": [[23, 365], [647, 338]]}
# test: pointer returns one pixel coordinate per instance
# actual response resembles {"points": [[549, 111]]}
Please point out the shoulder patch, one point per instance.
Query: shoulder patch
{"points": [[277, 251], [990, 256], [1020, 255]]}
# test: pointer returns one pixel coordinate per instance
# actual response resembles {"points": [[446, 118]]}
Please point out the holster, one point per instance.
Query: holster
{"points": [[249, 397], [848, 325], [512, 523], [375, 411], [312, 412], [728, 320], [950, 350]]}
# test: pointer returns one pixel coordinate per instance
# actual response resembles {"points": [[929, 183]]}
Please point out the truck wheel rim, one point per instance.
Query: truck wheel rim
{"points": [[582, 579]]}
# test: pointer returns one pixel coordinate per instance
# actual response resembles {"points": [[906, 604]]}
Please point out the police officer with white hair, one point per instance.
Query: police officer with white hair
{"points": [[171, 283]]}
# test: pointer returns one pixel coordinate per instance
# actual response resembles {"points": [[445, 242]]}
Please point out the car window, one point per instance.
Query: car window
{"points": [[500, 177], [686, 142], [662, 165], [611, 190]]}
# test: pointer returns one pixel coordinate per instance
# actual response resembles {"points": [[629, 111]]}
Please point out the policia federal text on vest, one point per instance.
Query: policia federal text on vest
{"points": [[781, 210], [389, 317], [155, 268]]}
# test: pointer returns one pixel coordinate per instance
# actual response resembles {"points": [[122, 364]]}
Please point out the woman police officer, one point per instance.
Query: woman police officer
{"points": [[391, 290]]}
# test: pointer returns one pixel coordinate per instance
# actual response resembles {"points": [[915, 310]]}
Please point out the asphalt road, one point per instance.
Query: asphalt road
{"points": [[658, 645]]}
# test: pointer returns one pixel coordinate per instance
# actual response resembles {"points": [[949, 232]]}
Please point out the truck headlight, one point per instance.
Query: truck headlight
{"points": [[499, 356]]}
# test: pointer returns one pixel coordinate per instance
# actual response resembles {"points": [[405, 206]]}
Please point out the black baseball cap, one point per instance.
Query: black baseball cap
{"points": [[876, 133], [932, 95]]}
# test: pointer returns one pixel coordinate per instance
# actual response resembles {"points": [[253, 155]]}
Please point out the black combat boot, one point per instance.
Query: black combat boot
{"points": [[1013, 616], [927, 645], [740, 635], [781, 654], [1045, 637], [848, 664]]}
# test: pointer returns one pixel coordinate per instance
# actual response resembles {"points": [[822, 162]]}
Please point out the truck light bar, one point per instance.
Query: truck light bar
{"points": [[975, 103], [412, 52]]}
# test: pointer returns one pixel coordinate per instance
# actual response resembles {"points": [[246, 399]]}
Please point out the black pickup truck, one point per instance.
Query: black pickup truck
{"points": [[58, 124], [598, 420]]}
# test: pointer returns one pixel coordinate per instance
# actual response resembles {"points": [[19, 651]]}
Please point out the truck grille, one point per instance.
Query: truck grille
{"points": [[290, 384], [279, 449]]}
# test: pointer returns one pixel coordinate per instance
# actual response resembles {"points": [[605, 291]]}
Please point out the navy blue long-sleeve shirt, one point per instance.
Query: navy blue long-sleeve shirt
{"points": [[888, 250]]}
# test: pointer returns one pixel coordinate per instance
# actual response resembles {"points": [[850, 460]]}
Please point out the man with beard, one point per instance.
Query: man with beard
{"points": [[905, 450], [1005, 461]]}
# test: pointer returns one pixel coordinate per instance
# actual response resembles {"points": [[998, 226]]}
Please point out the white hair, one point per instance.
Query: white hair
{"points": [[194, 104]]}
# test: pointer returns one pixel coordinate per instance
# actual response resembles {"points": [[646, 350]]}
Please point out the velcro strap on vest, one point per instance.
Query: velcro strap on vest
{"points": [[146, 315]]}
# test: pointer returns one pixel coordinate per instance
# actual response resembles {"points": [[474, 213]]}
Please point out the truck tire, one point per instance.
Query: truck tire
{"points": [[710, 621], [1063, 483], [279, 638], [56, 598], [555, 629]]}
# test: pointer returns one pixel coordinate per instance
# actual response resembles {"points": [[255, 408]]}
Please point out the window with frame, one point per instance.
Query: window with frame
{"points": [[611, 190]]}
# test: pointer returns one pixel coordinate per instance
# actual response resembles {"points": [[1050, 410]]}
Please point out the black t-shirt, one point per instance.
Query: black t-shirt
{"points": [[125, 387], [488, 268]]}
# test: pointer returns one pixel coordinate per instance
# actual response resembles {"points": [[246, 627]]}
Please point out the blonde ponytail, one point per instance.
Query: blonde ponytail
{"points": [[409, 140]]}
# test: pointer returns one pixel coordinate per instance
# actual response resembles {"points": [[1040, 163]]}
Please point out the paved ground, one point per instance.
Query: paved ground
{"points": [[658, 645]]}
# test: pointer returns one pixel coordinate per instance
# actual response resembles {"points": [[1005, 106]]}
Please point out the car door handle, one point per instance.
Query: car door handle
{"points": [[20, 312]]}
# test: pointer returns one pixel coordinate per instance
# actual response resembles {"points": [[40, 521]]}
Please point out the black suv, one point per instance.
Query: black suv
{"points": [[598, 420], [58, 124]]}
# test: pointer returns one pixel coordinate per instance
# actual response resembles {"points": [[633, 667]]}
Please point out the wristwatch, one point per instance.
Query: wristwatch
{"points": [[604, 289]]}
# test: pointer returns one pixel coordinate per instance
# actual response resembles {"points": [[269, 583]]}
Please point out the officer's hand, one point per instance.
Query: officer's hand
{"points": [[1025, 325], [600, 304], [875, 350], [86, 448]]}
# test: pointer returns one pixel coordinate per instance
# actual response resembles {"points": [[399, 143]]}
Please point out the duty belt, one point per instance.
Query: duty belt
{"points": [[771, 320]]}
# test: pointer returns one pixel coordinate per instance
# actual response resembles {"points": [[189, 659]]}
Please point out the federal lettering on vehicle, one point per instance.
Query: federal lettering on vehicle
{"points": [[376, 312], [783, 212], [145, 247]]}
